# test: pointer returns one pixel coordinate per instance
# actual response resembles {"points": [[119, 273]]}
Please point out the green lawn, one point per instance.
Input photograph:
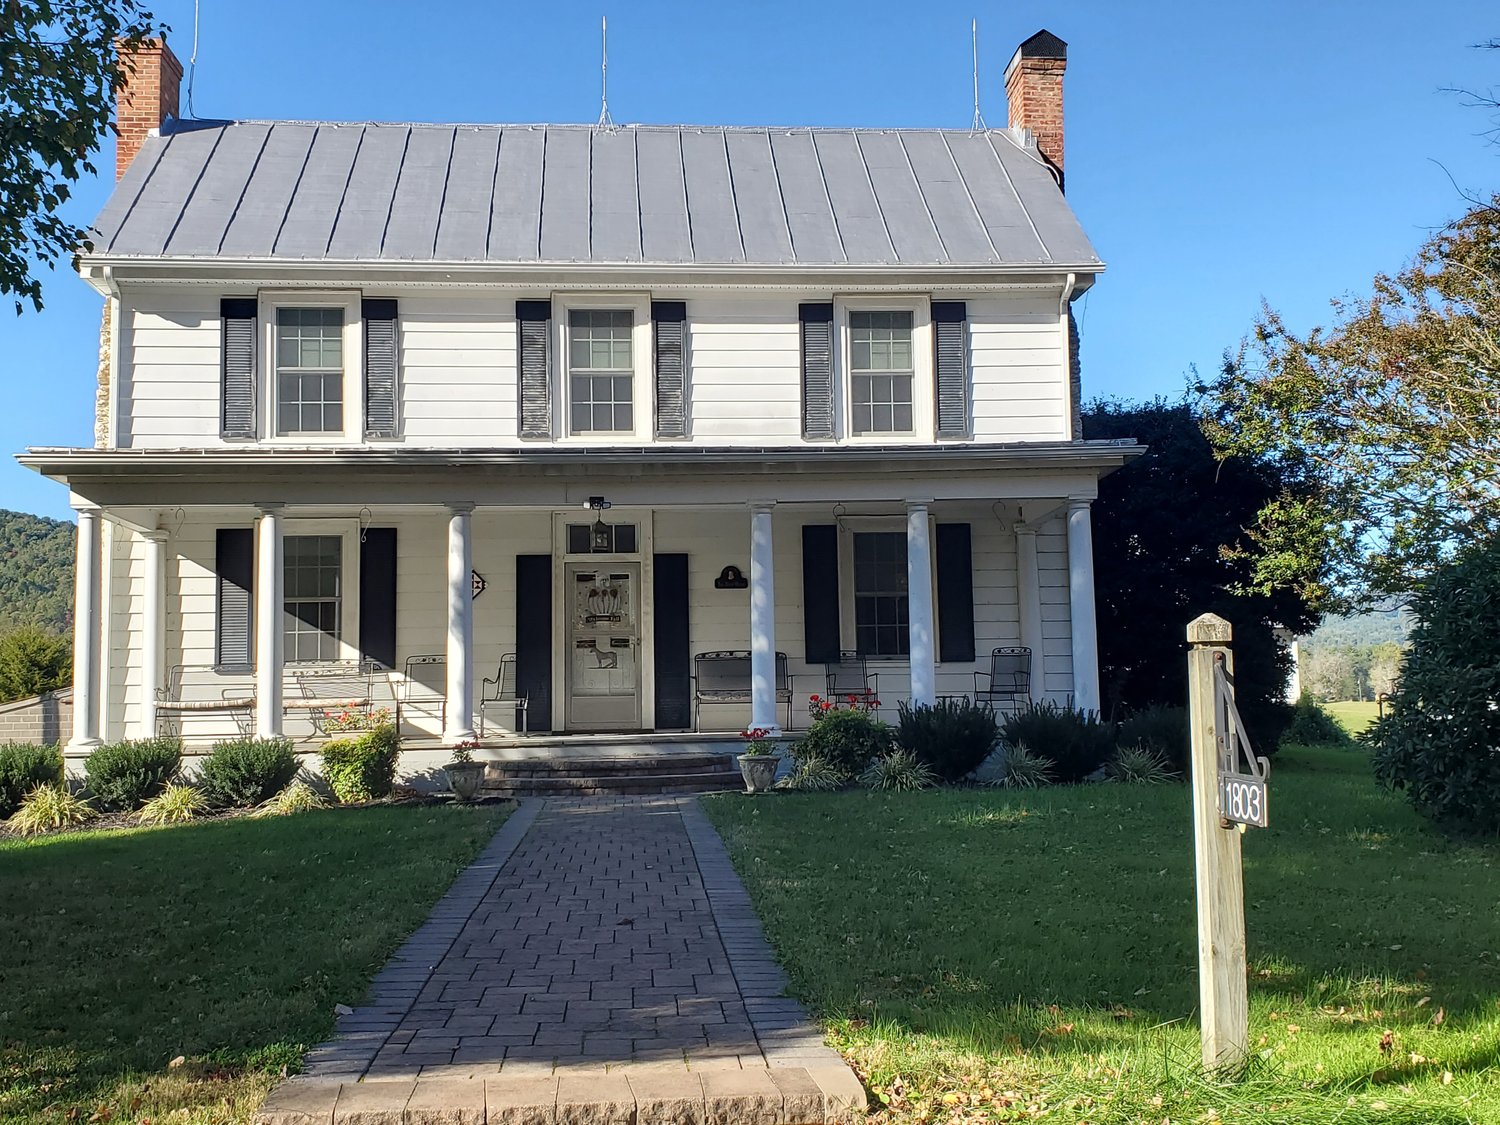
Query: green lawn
{"points": [[995, 955], [1353, 716], [227, 943]]}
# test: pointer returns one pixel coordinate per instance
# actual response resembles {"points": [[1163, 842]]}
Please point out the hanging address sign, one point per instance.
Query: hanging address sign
{"points": [[1242, 793]]}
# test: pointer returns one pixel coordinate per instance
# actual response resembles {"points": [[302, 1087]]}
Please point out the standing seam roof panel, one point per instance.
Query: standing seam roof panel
{"points": [[214, 201], [565, 196], [412, 229], [948, 199], [319, 192], [106, 226], [1046, 207], [757, 196], [663, 193], [999, 207], [713, 218], [159, 206], [809, 214], [899, 199], [268, 193], [615, 206], [862, 229], [464, 222], [516, 220], [365, 212]]}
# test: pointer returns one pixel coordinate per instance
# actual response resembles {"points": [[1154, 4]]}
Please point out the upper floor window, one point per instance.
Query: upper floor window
{"points": [[309, 370], [601, 371], [881, 371], [313, 574]]}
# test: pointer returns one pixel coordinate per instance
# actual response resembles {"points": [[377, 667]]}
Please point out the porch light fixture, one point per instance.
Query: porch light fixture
{"points": [[602, 538]]}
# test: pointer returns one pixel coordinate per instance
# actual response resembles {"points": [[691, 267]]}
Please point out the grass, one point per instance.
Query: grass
{"points": [[984, 955], [225, 944], [1353, 716]]}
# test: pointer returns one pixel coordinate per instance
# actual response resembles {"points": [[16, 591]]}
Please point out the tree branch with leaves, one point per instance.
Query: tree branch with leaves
{"points": [[58, 79]]}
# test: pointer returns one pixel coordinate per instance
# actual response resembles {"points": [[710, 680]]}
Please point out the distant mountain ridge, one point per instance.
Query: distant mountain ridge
{"points": [[1387, 626], [36, 572]]}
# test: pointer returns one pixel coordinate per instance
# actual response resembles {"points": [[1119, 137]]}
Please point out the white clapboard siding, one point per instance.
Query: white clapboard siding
{"points": [[1057, 635], [168, 386], [458, 370], [1020, 388]]}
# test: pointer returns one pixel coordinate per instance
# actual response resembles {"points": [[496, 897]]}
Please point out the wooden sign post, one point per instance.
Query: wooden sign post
{"points": [[1222, 986]]}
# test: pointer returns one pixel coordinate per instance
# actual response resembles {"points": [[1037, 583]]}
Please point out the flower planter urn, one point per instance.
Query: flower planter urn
{"points": [[465, 778], [759, 771]]}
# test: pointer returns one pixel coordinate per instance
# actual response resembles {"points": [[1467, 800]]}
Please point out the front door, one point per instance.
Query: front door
{"points": [[603, 646]]}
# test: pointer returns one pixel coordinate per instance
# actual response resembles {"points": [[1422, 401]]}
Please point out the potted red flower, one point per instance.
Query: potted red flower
{"points": [[759, 761]]}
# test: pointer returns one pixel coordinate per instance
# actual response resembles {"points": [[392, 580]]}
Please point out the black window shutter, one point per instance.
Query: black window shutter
{"points": [[955, 592], [674, 660], [534, 638], [820, 593], [382, 367], [669, 327], [237, 367], [377, 596], [950, 332], [817, 371], [234, 565], [534, 366]]}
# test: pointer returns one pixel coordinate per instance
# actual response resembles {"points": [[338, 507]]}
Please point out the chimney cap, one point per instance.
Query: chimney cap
{"points": [[1043, 45]]}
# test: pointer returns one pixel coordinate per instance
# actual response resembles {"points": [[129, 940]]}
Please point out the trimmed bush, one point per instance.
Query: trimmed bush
{"points": [[176, 804], [899, 772], [48, 807], [1163, 729], [1438, 741], [125, 775], [1077, 743], [1313, 726], [952, 737], [24, 766], [363, 768], [243, 772], [847, 739]]}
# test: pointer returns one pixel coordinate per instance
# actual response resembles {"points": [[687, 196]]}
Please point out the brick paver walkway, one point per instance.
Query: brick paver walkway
{"points": [[592, 935]]}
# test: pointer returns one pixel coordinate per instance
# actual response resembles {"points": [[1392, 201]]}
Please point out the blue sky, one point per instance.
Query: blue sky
{"points": [[1217, 153]]}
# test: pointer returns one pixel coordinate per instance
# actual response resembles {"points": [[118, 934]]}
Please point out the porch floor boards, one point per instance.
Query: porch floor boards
{"points": [[600, 962]]}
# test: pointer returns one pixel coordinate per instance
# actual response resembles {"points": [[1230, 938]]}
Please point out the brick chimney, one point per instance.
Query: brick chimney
{"points": [[147, 95], [1034, 92]]}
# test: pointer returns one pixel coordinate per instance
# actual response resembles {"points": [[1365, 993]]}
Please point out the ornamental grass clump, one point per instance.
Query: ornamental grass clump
{"points": [[244, 772], [363, 768], [24, 766], [48, 807], [125, 775], [296, 797], [952, 737], [1140, 765], [1162, 728], [899, 772], [1024, 770], [176, 804], [816, 775]]}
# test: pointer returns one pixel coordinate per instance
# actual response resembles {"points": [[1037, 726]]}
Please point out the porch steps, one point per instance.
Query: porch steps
{"points": [[635, 775]]}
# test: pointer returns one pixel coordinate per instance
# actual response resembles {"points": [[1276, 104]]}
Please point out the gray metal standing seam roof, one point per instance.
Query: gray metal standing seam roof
{"points": [[689, 195]]}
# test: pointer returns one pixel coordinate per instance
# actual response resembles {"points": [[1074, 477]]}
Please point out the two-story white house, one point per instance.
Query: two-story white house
{"points": [[583, 403]]}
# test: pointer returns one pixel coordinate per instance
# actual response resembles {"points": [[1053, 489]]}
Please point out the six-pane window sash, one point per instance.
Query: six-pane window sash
{"points": [[881, 372], [601, 371], [309, 370], [313, 575]]}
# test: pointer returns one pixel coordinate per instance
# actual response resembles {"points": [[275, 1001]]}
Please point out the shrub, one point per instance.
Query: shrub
{"points": [[1077, 743], [900, 772], [124, 775], [1313, 726], [847, 738], [173, 805], [952, 737], [363, 768], [23, 767], [1025, 770], [1141, 764], [1162, 728], [296, 797], [50, 806], [816, 775], [1438, 742], [243, 772], [33, 661]]}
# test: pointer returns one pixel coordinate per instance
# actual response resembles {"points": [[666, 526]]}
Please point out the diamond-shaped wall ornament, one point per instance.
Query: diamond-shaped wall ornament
{"points": [[477, 584]]}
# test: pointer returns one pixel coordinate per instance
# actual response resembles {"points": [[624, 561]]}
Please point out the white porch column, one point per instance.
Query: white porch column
{"points": [[919, 606], [86, 625], [153, 631], [1029, 602], [270, 607], [459, 725], [762, 618], [1081, 605]]}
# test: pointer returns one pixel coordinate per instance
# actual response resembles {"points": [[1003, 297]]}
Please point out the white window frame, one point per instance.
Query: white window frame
{"points": [[271, 301], [849, 526], [643, 380], [923, 413], [349, 578]]}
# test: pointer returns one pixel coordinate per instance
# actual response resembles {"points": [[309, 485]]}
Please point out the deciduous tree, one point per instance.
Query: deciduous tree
{"points": [[58, 79]]}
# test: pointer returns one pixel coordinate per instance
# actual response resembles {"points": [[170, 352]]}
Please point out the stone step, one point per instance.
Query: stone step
{"points": [[793, 1095], [625, 784], [608, 766]]}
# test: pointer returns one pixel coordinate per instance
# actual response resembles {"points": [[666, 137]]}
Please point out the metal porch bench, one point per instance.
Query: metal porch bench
{"points": [[724, 677]]}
